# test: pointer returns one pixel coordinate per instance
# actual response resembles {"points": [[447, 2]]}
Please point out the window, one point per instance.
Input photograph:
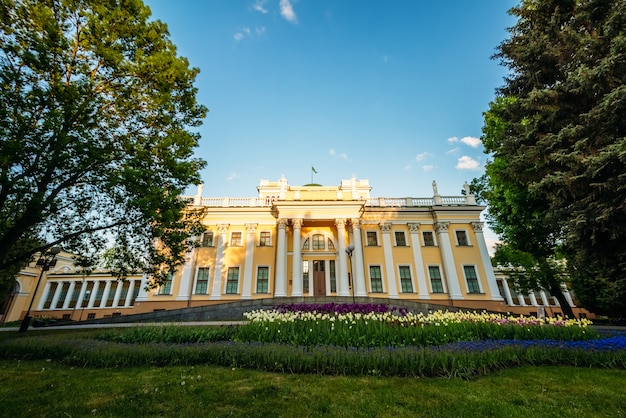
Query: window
{"points": [[376, 279], [91, 316], [202, 281], [372, 239], [232, 281], [331, 246], [207, 239], [472, 279], [405, 279], [436, 283], [235, 239], [64, 288], [333, 276], [305, 277], [318, 242], [265, 239], [165, 288], [400, 239], [429, 239], [461, 238], [262, 279], [75, 294], [305, 246]]}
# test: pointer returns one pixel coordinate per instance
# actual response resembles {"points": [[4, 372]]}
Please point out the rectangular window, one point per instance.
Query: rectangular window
{"points": [[165, 288], [436, 283], [372, 238], [305, 277], [262, 279], [202, 281], [333, 276], [235, 239], [429, 239], [91, 316], [232, 281], [461, 238], [400, 239], [75, 294], [405, 279], [376, 279], [265, 239], [64, 288], [472, 279], [207, 239]]}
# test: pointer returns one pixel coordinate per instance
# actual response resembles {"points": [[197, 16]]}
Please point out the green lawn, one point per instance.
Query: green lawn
{"points": [[48, 389]]}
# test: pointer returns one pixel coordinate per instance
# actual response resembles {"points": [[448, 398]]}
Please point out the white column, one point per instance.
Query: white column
{"points": [[343, 282], [392, 285], [544, 298], [129, 295], [568, 296], [105, 294], [68, 295], [418, 261], [507, 292], [142, 296], [44, 296], [216, 293], [357, 260], [249, 261], [533, 299], [81, 295], [448, 260], [520, 298], [94, 294], [280, 288], [57, 295], [118, 293], [186, 276], [486, 260], [296, 266]]}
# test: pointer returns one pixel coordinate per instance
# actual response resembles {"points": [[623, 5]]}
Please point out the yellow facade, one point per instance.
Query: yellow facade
{"points": [[303, 241]]}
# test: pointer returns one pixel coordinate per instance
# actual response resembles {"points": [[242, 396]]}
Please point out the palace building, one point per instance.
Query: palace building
{"points": [[304, 242]]}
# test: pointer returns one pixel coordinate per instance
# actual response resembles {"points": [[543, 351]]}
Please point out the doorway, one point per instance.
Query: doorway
{"points": [[319, 278]]}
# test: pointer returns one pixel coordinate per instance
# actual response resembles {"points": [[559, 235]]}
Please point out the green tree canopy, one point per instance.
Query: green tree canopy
{"points": [[557, 133], [95, 146]]}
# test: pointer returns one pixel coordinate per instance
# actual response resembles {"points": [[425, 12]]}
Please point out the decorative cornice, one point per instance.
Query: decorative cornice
{"points": [[281, 223], [340, 223], [414, 228], [385, 227], [222, 228], [478, 226], [297, 223], [250, 228], [356, 223]]}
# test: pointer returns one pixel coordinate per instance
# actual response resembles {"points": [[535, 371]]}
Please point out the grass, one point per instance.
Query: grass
{"points": [[48, 389]]}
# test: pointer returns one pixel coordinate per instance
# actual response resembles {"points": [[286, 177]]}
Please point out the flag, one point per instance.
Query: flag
{"points": [[313, 169]]}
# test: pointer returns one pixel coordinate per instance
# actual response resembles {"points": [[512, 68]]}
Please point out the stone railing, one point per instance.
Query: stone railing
{"points": [[386, 202]]}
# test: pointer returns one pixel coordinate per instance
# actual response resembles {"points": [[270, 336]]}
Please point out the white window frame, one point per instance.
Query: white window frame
{"points": [[467, 237], [434, 239], [406, 241], [382, 278], [480, 287], [230, 241], [208, 283], [270, 241], [256, 280], [413, 288], [367, 244], [430, 280]]}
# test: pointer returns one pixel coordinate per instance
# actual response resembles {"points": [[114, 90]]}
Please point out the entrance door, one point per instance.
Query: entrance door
{"points": [[319, 278]]}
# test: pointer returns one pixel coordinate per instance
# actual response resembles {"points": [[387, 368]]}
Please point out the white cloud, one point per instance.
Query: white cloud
{"points": [[471, 141], [467, 140], [286, 11], [468, 163], [248, 33], [423, 156], [428, 167], [232, 176], [258, 6], [453, 151], [408, 167], [340, 155]]}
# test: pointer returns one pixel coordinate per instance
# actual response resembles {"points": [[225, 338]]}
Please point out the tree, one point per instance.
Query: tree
{"points": [[557, 134], [95, 147]]}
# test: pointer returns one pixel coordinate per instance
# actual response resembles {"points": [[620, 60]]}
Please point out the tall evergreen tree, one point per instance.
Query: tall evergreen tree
{"points": [[557, 131], [95, 147]]}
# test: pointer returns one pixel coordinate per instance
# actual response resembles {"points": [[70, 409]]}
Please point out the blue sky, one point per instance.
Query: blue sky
{"points": [[389, 91]]}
